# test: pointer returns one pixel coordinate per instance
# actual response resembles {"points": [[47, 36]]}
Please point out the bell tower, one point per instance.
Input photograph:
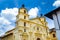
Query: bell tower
{"points": [[22, 13], [21, 21], [22, 16], [22, 9]]}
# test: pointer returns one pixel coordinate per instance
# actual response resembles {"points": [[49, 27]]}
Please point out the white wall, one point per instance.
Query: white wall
{"points": [[55, 21], [58, 34], [58, 14], [56, 24]]}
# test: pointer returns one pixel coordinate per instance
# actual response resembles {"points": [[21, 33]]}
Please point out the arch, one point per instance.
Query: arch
{"points": [[38, 38]]}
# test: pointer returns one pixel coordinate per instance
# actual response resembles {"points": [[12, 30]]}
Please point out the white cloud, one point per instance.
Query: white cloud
{"points": [[7, 19], [1, 31], [33, 12], [10, 27], [56, 3], [4, 21], [10, 14], [2, 34]]}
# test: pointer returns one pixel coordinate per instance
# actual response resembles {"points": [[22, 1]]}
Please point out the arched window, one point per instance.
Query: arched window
{"points": [[38, 38], [53, 35], [24, 11]]}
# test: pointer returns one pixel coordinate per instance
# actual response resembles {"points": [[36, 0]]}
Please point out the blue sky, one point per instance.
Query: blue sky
{"points": [[9, 10], [44, 5]]}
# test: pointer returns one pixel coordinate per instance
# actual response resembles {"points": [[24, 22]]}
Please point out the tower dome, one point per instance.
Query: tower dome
{"points": [[22, 9]]}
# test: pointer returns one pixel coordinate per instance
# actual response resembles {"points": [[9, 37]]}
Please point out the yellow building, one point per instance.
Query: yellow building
{"points": [[53, 34], [28, 29]]}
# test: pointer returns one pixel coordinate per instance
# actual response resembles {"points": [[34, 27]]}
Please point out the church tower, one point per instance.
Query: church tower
{"points": [[21, 24], [22, 13]]}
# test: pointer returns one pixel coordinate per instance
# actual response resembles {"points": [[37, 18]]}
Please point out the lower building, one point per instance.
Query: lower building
{"points": [[8, 35], [53, 34]]}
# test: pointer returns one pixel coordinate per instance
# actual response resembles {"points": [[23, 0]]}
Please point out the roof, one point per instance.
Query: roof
{"points": [[49, 14], [37, 18], [7, 33], [52, 30]]}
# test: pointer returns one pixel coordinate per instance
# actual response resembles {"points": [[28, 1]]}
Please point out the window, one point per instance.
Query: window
{"points": [[53, 35], [24, 17], [24, 30], [24, 11], [37, 28], [24, 23], [38, 38]]}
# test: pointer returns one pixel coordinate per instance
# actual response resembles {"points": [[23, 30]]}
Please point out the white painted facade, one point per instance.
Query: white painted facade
{"points": [[57, 23]]}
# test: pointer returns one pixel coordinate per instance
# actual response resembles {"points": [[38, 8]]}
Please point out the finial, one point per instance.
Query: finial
{"points": [[23, 5]]}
